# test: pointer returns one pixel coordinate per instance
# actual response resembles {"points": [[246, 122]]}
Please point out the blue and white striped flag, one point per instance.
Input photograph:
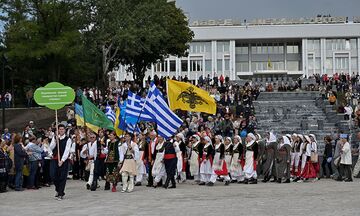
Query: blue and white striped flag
{"points": [[135, 109], [132, 129], [110, 114], [167, 121]]}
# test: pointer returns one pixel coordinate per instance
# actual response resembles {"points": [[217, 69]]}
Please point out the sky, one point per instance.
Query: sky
{"points": [[250, 9]]}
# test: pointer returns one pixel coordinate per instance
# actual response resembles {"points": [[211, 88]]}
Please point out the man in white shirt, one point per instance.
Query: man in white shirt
{"points": [[59, 164], [89, 151]]}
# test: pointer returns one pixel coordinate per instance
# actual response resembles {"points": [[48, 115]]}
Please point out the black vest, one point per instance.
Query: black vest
{"points": [[62, 146]]}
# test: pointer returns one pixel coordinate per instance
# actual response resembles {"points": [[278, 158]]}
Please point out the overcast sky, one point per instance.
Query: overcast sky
{"points": [[250, 9]]}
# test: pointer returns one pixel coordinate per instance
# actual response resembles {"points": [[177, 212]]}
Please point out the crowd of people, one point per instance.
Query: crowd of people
{"points": [[207, 148]]}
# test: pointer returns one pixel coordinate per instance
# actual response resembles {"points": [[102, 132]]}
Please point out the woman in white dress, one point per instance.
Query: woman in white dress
{"points": [[237, 161]]}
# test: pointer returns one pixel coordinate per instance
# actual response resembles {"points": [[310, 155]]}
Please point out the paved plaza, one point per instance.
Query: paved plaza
{"points": [[325, 197]]}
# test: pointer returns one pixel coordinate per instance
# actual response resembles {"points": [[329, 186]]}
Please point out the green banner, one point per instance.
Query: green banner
{"points": [[54, 95]]}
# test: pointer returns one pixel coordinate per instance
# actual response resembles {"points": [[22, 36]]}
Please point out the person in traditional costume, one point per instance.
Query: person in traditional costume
{"points": [[237, 161], [251, 154], [219, 163], [207, 174], [149, 156], [194, 157], [283, 160], [158, 169], [111, 162], [295, 154], [262, 143], [181, 156], [140, 164], [315, 157], [309, 170], [128, 155], [228, 155], [269, 161], [170, 162], [89, 151]]}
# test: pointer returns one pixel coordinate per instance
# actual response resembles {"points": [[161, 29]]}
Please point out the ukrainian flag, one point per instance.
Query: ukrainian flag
{"points": [[79, 116], [120, 125]]}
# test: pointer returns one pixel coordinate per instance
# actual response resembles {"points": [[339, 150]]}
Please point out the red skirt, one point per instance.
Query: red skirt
{"points": [[223, 171], [309, 171]]}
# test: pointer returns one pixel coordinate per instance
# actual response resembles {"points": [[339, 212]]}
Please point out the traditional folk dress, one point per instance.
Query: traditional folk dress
{"points": [[181, 155], [129, 154], [111, 163], [194, 161], [283, 159], [207, 174], [140, 164], [269, 163], [309, 169], [219, 163], [251, 154], [170, 162], [237, 162], [158, 170], [295, 157]]}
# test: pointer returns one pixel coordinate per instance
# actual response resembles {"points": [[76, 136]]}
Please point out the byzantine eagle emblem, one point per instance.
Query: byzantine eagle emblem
{"points": [[192, 98]]}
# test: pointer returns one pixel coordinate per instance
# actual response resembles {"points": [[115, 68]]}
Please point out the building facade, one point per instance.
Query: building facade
{"points": [[263, 49]]}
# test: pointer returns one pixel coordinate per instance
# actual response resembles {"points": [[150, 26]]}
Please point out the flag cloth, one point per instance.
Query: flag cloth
{"points": [[167, 121], [135, 109], [118, 126], [94, 115], [131, 128], [79, 116], [186, 96], [110, 114]]}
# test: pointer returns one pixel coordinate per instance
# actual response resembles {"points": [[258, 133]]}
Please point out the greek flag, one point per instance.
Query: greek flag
{"points": [[131, 128], [167, 121], [110, 114], [135, 109]]}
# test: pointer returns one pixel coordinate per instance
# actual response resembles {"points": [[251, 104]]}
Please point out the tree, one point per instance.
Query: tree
{"points": [[136, 33], [43, 42]]}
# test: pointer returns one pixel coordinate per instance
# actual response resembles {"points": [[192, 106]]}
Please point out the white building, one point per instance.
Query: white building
{"points": [[266, 48]]}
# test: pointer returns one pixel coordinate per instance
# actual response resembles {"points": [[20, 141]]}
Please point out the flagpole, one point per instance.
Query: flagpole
{"points": [[57, 134], [137, 121]]}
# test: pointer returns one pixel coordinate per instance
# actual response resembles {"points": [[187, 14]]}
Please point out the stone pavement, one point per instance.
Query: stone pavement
{"points": [[325, 197]]}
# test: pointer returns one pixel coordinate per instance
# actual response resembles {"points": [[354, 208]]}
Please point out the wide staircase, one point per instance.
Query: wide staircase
{"points": [[293, 112]]}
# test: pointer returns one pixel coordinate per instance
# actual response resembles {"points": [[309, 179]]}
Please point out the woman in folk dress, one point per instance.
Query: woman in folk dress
{"points": [[237, 161]]}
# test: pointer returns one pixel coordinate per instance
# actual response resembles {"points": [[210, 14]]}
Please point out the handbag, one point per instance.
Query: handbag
{"points": [[314, 157]]}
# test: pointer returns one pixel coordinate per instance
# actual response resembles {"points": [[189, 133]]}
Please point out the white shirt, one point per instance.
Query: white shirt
{"points": [[92, 150], [123, 148], [67, 148]]}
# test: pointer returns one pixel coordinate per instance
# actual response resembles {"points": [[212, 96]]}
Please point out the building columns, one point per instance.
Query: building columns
{"points": [[232, 60]]}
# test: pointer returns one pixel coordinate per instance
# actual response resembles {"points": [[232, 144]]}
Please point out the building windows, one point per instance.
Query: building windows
{"points": [[354, 66], [292, 65], [195, 65], [243, 50], [292, 49], [313, 44], [223, 46], [208, 65], [172, 66], [200, 47], [274, 48], [160, 67], [329, 63], [242, 66], [340, 44], [259, 66], [184, 65], [341, 63]]}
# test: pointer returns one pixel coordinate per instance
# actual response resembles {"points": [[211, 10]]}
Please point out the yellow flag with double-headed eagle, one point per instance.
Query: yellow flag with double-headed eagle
{"points": [[186, 96]]}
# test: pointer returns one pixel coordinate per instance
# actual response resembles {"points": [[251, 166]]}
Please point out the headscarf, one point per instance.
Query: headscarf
{"points": [[252, 136], [181, 136], [286, 140], [220, 138], [307, 138], [313, 136], [229, 138], [208, 140], [238, 138], [258, 136], [272, 137], [196, 137]]}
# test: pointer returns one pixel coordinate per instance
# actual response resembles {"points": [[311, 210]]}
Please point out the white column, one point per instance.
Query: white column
{"points": [[203, 66], [333, 56], [214, 58], [152, 71], [168, 67], [223, 65], [358, 55], [285, 53], [249, 56], [304, 57], [232, 60], [323, 55]]}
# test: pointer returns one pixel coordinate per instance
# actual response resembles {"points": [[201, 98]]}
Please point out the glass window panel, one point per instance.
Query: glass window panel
{"points": [[219, 65], [354, 64], [172, 66], [253, 50], [281, 49], [227, 64], [329, 63], [208, 65], [184, 65]]}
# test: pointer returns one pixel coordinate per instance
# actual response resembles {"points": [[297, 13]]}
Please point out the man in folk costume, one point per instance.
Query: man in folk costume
{"points": [[60, 164], [111, 162], [149, 156], [262, 143], [269, 164], [237, 161], [181, 156], [194, 157], [219, 163], [283, 160], [129, 154], [140, 164], [295, 154], [170, 162], [158, 169], [89, 152], [207, 174], [251, 154], [345, 159]]}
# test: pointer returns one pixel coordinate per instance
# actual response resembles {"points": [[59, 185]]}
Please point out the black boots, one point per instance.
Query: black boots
{"points": [[173, 183], [3, 187], [166, 185], [107, 186]]}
